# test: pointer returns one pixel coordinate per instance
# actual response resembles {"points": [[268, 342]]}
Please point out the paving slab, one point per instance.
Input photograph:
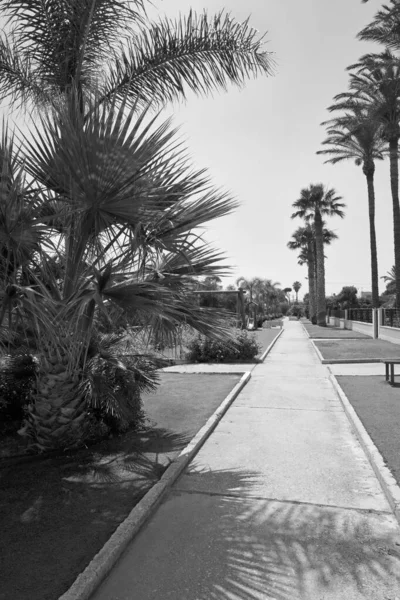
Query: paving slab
{"points": [[231, 548], [317, 395], [301, 456]]}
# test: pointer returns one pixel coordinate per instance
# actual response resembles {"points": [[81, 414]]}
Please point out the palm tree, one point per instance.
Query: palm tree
{"points": [[375, 85], [356, 136], [303, 239], [314, 203], [252, 285], [385, 27], [103, 49], [296, 286], [119, 205]]}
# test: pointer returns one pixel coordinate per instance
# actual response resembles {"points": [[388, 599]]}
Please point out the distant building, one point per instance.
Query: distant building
{"points": [[366, 295]]}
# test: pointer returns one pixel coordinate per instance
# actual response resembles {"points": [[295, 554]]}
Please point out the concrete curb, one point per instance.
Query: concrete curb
{"points": [[342, 361], [383, 474], [268, 350], [99, 567], [317, 352]]}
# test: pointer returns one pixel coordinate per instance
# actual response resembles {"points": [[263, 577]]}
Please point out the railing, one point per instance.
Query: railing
{"points": [[360, 314], [391, 317], [337, 313]]}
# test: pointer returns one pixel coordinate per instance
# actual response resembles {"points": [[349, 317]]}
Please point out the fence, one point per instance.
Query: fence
{"points": [[337, 313], [391, 317], [360, 314]]}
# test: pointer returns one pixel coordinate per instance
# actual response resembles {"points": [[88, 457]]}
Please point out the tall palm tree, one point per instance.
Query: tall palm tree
{"points": [[314, 203], [102, 49], [296, 286], [355, 135], [375, 85], [385, 26], [303, 239]]}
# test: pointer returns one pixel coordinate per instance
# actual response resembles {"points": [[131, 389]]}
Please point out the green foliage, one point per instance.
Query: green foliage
{"points": [[347, 297], [204, 349], [284, 307], [17, 374]]}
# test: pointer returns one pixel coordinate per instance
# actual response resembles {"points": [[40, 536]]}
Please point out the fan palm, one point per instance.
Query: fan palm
{"points": [[296, 286], [314, 203], [303, 239], [126, 203], [375, 85], [107, 48], [356, 136]]}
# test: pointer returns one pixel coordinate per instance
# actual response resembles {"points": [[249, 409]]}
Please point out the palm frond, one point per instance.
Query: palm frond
{"points": [[18, 82], [197, 53], [66, 42], [385, 26]]}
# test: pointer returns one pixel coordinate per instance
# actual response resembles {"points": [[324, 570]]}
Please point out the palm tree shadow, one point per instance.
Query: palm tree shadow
{"points": [[238, 547]]}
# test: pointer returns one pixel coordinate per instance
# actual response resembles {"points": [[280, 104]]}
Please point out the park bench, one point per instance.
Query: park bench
{"points": [[389, 363]]}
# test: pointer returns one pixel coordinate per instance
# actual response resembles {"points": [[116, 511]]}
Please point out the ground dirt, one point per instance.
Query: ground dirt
{"points": [[378, 406], [57, 513], [357, 349], [315, 331]]}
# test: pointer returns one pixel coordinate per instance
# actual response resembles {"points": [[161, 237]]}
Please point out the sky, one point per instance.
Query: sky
{"points": [[260, 142]]}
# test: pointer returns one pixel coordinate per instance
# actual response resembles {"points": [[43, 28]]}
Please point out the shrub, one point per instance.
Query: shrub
{"points": [[243, 347], [17, 373]]}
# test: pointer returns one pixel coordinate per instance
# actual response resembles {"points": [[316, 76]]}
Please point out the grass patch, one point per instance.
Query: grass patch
{"points": [[57, 513], [378, 406], [357, 349], [315, 331]]}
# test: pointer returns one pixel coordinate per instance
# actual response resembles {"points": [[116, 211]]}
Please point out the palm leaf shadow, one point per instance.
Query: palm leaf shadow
{"points": [[236, 547]]}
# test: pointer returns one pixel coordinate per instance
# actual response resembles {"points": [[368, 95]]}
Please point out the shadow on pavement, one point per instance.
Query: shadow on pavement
{"points": [[207, 546]]}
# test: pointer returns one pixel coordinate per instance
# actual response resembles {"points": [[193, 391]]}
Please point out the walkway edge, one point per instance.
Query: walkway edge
{"points": [[89, 580], [383, 474], [321, 358], [268, 350]]}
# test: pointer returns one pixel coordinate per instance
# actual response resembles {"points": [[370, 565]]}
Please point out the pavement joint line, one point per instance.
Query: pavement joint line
{"points": [[280, 501], [387, 482], [100, 566]]}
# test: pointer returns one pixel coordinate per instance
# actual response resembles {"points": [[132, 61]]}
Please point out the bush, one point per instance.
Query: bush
{"points": [[17, 373], [243, 347]]}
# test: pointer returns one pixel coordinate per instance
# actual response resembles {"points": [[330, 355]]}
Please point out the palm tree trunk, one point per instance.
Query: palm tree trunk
{"points": [[320, 261], [372, 236], [311, 284], [394, 184]]}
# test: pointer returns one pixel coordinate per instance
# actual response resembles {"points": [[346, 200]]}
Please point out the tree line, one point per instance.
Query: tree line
{"points": [[365, 128]]}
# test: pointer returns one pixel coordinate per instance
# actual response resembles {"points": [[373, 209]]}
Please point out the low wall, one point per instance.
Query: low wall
{"points": [[366, 328], [389, 334]]}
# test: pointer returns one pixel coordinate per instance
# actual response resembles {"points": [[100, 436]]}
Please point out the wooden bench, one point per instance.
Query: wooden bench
{"points": [[390, 362]]}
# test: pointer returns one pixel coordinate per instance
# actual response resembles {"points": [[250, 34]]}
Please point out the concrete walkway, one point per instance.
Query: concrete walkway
{"points": [[279, 504]]}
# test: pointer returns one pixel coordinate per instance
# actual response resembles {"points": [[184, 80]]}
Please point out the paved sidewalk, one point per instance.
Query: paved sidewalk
{"points": [[279, 504]]}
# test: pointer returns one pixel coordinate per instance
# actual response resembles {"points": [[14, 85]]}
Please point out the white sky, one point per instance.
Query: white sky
{"points": [[260, 142]]}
